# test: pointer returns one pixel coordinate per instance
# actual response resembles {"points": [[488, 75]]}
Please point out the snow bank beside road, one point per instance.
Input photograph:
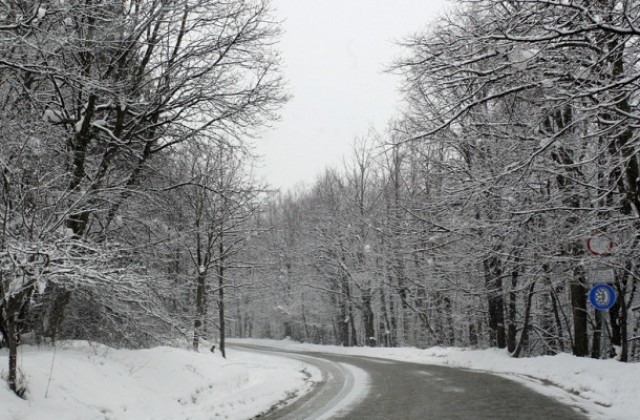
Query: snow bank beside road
{"points": [[98, 382], [602, 389]]}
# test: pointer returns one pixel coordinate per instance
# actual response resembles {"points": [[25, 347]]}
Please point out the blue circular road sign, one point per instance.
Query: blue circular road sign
{"points": [[602, 297]]}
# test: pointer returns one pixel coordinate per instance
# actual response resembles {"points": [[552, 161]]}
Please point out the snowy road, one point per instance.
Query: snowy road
{"points": [[343, 386], [357, 387]]}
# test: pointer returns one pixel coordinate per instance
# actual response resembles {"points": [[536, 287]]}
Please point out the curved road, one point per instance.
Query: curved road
{"points": [[401, 390]]}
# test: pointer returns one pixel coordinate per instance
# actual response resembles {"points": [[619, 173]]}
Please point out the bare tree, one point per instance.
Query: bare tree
{"points": [[95, 94]]}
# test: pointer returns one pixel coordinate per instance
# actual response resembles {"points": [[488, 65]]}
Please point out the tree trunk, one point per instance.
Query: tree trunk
{"points": [[12, 329], [403, 333], [368, 320], [200, 304], [241, 320], [59, 301], [393, 331], [351, 338], [511, 329], [618, 326], [221, 299], [13, 339], [387, 327], [353, 335], [449, 330], [597, 334], [556, 317], [525, 324], [343, 323], [473, 335], [549, 319], [304, 319], [493, 282], [579, 306]]}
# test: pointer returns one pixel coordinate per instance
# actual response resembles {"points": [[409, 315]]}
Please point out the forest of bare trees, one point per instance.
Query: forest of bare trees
{"points": [[130, 213], [466, 222], [122, 127]]}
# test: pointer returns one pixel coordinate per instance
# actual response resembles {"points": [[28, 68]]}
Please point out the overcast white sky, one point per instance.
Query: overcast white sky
{"points": [[334, 53]]}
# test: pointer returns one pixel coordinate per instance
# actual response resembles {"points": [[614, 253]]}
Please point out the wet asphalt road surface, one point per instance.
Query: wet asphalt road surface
{"points": [[400, 390]]}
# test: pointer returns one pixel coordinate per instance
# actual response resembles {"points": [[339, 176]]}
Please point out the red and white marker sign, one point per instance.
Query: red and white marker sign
{"points": [[600, 244]]}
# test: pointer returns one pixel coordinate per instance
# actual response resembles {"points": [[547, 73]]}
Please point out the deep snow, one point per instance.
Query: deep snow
{"points": [[89, 381]]}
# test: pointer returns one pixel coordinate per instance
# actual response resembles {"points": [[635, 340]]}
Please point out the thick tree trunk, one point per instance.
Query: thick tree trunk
{"points": [[368, 320], [619, 313], [13, 339], [556, 317], [618, 328], [12, 329], [597, 335], [386, 329], [403, 334], [579, 306], [473, 333], [343, 324], [493, 283], [449, 329], [511, 329], [55, 316], [393, 319]]}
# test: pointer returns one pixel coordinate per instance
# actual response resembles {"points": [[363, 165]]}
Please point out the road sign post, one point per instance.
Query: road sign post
{"points": [[602, 295]]}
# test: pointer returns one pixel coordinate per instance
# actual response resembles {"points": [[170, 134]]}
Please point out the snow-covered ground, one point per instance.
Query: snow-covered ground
{"points": [[84, 381]]}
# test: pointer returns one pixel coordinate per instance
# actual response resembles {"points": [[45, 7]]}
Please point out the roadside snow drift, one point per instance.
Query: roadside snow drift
{"points": [[84, 381]]}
